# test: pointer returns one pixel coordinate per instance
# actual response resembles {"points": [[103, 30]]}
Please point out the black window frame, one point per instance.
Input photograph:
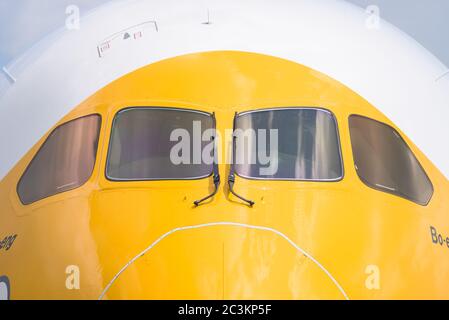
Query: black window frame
{"points": [[100, 124], [387, 190], [116, 180], [337, 129]]}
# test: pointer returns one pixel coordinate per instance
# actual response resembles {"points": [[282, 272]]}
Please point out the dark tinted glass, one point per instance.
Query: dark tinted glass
{"points": [[64, 162], [384, 161], [308, 145], [141, 145]]}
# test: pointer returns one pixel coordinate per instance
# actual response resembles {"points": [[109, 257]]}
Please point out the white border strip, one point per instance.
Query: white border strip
{"points": [[223, 224]]}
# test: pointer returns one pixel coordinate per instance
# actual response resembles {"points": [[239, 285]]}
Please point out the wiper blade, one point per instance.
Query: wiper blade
{"points": [[216, 175], [231, 179], [217, 182]]}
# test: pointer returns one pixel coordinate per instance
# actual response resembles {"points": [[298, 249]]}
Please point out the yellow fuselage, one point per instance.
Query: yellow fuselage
{"points": [[302, 240]]}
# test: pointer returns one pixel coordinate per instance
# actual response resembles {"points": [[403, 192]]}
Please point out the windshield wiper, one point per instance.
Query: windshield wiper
{"points": [[231, 179], [216, 174]]}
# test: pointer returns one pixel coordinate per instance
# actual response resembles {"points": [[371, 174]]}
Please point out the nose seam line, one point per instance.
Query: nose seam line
{"points": [[216, 224]]}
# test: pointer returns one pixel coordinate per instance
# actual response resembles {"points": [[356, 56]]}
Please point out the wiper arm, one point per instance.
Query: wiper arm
{"points": [[217, 181], [231, 179], [216, 175]]}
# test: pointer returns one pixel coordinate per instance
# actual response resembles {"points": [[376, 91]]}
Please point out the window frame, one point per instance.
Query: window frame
{"points": [[386, 190], [100, 124], [337, 129], [123, 110]]}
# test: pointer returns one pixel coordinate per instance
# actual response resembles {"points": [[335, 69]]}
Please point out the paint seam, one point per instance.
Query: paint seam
{"points": [[200, 226]]}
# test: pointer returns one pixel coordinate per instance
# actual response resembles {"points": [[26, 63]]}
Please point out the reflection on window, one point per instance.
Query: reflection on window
{"points": [[141, 145], [384, 161], [64, 162], [307, 148]]}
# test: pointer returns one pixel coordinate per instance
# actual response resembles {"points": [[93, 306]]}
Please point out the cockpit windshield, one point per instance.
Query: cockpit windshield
{"points": [[159, 144], [288, 144], [385, 162]]}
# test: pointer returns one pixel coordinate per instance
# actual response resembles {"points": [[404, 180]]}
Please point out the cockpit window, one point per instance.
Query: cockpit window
{"points": [[384, 161], [159, 144], [300, 144], [64, 162]]}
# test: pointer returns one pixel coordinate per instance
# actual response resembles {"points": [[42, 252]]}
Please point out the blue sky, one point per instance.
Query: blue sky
{"points": [[24, 22]]}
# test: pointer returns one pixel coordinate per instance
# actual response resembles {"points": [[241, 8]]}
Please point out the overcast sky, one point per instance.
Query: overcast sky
{"points": [[24, 22]]}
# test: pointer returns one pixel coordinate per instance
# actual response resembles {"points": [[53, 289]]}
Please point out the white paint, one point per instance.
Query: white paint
{"points": [[383, 65], [3, 291], [232, 224]]}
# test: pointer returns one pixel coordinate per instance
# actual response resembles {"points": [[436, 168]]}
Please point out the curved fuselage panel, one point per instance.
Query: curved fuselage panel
{"points": [[301, 240]]}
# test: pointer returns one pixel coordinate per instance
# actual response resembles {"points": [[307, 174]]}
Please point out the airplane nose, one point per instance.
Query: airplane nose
{"points": [[224, 261]]}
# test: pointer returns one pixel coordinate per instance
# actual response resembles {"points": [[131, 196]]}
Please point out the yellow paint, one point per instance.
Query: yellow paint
{"points": [[345, 225]]}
